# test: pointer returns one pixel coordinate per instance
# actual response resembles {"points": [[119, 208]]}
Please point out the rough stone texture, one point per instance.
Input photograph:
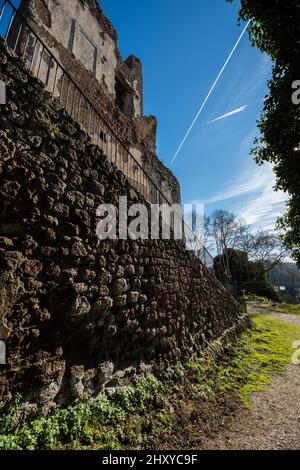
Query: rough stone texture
{"points": [[75, 310], [81, 37]]}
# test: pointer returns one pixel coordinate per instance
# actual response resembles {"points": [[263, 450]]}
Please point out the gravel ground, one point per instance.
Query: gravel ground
{"points": [[272, 424], [293, 319], [274, 421]]}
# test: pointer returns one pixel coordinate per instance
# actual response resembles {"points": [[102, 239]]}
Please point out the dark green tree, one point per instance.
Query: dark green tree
{"points": [[275, 30], [245, 275]]}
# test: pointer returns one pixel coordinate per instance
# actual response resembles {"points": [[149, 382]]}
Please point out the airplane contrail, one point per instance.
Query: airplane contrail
{"points": [[232, 113], [210, 91]]}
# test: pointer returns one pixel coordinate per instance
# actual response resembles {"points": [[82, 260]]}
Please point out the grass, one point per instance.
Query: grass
{"points": [[281, 307], [290, 309], [139, 417], [260, 354], [256, 298]]}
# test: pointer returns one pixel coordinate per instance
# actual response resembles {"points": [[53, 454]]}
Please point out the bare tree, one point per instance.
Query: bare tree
{"points": [[225, 231], [265, 247]]}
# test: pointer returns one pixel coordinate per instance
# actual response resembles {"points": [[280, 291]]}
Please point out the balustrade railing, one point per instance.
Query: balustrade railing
{"points": [[41, 62]]}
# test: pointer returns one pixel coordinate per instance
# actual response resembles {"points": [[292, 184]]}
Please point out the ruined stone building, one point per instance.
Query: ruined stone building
{"points": [[77, 314], [83, 40]]}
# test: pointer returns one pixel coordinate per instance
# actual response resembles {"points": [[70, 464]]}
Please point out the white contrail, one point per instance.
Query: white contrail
{"points": [[232, 113], [210, 91]]}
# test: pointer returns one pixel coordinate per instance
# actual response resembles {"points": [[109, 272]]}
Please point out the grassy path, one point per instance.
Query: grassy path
{"points": [[246, 399], [273, 421]]}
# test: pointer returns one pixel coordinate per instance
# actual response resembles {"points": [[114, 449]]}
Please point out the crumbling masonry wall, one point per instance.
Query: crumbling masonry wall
{"points": [[83, 40], [78, 314]]}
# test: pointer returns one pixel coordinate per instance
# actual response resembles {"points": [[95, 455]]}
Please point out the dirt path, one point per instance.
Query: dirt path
{"points": [[256, 308], [274, 421], [272, 424]]}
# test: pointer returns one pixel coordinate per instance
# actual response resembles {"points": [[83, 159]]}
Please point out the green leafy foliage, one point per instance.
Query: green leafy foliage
{"points": [[82, 423], [140, 416], [275, 30]]}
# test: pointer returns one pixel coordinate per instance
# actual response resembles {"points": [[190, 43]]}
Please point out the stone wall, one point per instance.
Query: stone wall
{"points": [[77, 313], [60, 24]]}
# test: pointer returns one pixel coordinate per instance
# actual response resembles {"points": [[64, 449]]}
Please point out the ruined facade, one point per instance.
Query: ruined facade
{"points": [[85, 43], [78, 314]]}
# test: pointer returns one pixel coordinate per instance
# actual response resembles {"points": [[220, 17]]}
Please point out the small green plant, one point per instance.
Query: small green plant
{"points": [[136, 417], [146, 389], [174, 374], [81, 422], [124, 398], [52, 128], [10, 420]]}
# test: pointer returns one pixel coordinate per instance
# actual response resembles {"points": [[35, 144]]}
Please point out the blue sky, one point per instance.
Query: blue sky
{"points": [[183, 45]]}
